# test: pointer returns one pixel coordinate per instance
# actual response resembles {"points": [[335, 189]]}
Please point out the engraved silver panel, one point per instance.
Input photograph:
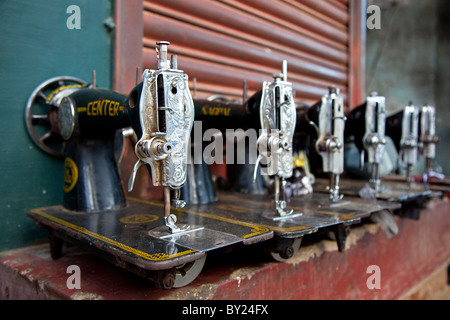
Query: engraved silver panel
{"points": [[374, 138], [280, 131], [166, 122], [409, 139], [331, 132], [428, 131]]}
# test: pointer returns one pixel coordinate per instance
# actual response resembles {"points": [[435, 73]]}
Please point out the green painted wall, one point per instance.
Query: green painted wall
{"points": [[35, 45], [408, 60]]}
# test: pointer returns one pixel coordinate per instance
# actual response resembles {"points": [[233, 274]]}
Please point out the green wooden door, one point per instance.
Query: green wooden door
{"points": [[39, 40]]}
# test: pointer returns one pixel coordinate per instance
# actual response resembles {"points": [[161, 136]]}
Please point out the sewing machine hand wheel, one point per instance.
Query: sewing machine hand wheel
{"points": [[188, 272], [42, 110]]}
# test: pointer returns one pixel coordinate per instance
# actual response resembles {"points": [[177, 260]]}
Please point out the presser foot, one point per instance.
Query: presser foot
{"points": [[280, 207], [376, 184], [170, 229], [170, 223], [281, 213], [335, 196]]}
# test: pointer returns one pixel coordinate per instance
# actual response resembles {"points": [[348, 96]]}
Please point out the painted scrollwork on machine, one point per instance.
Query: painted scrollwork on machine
{"points": [[166, 112], [179, 120], [166, 126], [278, 125], [278, 119]]}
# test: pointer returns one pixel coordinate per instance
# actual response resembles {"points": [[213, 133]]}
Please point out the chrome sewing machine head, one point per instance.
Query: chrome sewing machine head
{"points": [[428, 138], [409, 143], [374, 140], [166, 115], [277, 117], [330, 143]]}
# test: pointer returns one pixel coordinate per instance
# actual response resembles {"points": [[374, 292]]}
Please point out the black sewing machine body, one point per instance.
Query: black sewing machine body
{"points": [[361, 179], [312, 213], [135, 234], [167, 241]]}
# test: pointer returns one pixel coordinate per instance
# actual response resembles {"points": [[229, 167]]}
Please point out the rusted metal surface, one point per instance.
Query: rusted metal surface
{"points": [[320, 29], [225, 76], [116, 233], [433, 183], [389, 191], [223, 14], [196, 42], [411, 197], [404, 260], [127, 44], [222, 43], [336, 11]]}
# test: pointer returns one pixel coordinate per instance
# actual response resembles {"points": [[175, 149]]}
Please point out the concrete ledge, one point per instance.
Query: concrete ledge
{"points": [[412, 265]]}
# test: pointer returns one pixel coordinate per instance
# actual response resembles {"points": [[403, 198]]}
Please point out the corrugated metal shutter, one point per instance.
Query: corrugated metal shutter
{"points": [[222, 43]]}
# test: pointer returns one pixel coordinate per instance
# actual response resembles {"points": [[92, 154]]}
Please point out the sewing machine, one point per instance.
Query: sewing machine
{"points": [[326, 153], [374, 140], [158, 240], [428, 137], [277, 119], [409, 141], [423, 140], [167, 241], [290, 217], [330, 143], [367, 129]]}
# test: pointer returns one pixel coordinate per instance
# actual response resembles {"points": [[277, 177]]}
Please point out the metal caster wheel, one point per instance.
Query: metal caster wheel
{"points": [[165, 279], [179, 276], [287, 250]]}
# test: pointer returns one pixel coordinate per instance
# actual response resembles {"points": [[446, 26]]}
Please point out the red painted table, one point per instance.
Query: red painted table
{"points": [[317, 271]]}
